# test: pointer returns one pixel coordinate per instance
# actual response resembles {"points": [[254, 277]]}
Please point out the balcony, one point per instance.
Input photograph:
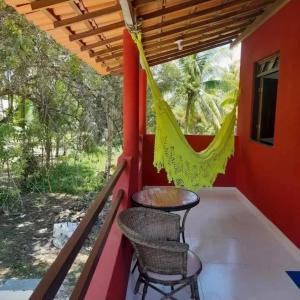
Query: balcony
{"points": [[244, 256]]}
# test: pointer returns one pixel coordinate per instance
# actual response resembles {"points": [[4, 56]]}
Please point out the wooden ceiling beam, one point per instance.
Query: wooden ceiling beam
{"points": [[119, 53], [206, 31], [127, 10], [116, 68], [202, 30], [108, 57], [162, 61], [111, 49], [173, 51], [193, 26], [43, 4], [211, 20], [269, 12], [100, 30], [210, 42], [197, 39], [117, 73], [90, 24], [202, 33], [171, 9], [137, 3], [114, 26], [101, 43], [200, 13], [192, 51], [193, 47], [87, 16]]}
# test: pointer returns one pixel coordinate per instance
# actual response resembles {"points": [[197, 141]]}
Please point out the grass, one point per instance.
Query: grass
{"points": [[74, 174]]}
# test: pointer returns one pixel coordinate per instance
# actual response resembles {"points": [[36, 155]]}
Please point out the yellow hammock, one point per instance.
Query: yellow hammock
{"points": [[184, 166]]}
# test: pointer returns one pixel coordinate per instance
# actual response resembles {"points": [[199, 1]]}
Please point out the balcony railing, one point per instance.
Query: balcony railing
{"points": [[53, 279]]}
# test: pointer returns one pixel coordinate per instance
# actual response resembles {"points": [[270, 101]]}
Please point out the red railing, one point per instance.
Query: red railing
{"points": [[53, 279]]}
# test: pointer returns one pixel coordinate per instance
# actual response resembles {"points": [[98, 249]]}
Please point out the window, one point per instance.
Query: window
{"points": [[264, 102]]}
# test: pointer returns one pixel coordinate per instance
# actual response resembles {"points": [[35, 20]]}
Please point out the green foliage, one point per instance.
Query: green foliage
{"points": [[10, 200], [200, 88], [74, 174], [51, 104]]}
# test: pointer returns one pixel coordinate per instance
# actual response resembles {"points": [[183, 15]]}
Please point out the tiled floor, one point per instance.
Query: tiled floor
{"points": [[244, 256]]}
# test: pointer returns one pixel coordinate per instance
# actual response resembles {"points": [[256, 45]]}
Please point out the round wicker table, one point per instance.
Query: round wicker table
{"points": [[167, 199]]}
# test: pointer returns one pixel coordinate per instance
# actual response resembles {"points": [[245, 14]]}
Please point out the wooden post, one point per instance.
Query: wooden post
{"points": [[130, 96], [131, 106]]}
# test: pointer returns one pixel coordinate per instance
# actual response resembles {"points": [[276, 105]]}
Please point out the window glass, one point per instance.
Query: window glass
{"points": [[264, 102]]}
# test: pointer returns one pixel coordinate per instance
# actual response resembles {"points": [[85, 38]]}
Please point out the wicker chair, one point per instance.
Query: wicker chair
{"points": [[162, 258]]}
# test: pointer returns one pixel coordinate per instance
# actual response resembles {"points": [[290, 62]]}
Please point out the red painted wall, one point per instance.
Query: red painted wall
{"points": [[270, 176], [151, 177]]}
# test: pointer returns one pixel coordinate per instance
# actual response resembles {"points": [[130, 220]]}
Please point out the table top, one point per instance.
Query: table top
{"points": [[166, 198]]}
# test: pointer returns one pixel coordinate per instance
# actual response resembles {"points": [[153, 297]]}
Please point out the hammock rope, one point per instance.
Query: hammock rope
{"points": [[172, 152]]}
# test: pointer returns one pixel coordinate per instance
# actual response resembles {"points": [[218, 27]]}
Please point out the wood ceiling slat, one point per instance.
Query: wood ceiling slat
{"points": [[212, 41], [89, 23], [119, 53], [201, 24], [105, 58], [212, 10], [198, 31], [192, 51], [197, 38], [146, 16], [42, 4], [115, 69], [171, 9], [162, 61], [173, 51], [269, 12], [108, 57], [117, 73], [102, 29], [111, 49], [192, 26], [101, 43], [87, 16], [137, 3], [211, 20]]}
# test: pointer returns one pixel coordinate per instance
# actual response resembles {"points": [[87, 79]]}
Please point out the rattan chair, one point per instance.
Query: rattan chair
{"points": [[162, 258]]}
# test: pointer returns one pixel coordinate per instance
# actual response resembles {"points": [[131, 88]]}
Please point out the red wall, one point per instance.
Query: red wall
{"points": [[270, 176], [151, 177]]}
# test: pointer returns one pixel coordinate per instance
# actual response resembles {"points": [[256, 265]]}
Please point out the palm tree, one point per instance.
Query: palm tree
{"points": [[197, 77], [200, 89]]}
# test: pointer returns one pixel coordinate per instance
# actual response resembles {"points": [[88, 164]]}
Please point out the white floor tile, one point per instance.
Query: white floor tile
{"points": [[243, 259]]}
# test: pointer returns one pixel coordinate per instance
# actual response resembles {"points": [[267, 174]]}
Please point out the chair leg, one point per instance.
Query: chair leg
{"points": [[145, 291], [196, 290], [192, 289], [137, 285], [134, 267]]}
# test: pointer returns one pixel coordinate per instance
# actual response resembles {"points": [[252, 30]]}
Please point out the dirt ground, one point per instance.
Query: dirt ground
{"points": [[26, 249]]}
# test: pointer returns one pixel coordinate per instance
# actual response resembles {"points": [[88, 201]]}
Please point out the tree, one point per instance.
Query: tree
{"points": [[52, 103], [202, 82]]}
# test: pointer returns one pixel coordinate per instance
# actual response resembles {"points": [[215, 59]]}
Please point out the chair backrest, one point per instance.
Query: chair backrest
{"points": [[154, 235]]}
